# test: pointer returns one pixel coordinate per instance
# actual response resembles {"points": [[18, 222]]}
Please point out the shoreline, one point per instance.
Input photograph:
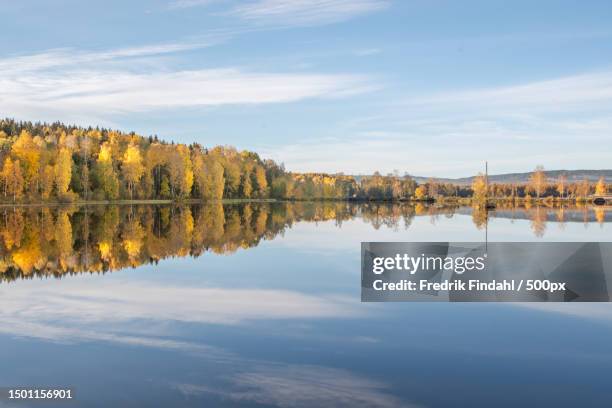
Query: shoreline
{"points": [[442, 200]]}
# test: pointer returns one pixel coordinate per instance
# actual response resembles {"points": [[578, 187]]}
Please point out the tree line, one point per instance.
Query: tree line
{"points": [[42, 162], [539, 187], [45, 162]]}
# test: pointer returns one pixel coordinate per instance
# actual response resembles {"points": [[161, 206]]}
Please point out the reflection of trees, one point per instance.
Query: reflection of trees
{"points": [[600, 215], [62, 241], [538, 221], [561, 217], [389, 215], [479, 216]]}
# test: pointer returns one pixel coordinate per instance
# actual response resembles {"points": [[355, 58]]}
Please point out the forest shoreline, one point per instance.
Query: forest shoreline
{"points": [[54, 164], [463, 201]]}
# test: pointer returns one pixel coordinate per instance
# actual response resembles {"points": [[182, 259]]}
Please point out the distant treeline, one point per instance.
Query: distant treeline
{"points": [[57, 162], [539, 187], [49, 162]]}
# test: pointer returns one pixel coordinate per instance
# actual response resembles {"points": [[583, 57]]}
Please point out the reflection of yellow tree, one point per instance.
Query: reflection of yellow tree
{"points": [[600, 215], [182, 231], [29, 255], [538, 221], [561, 217], [105, 248], [133, 236], [63, 239], [43, 241], [420, 209], [13, 229], [480, 216], [260, 223]]}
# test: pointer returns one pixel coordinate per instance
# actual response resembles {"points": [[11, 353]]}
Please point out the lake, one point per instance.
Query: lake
{"points": [[259, 305]]}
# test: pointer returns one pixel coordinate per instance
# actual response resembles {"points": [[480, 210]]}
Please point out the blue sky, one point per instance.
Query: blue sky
{"points": [[425, 87]]}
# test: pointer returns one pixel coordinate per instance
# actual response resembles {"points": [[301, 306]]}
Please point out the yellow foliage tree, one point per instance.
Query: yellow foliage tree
{"points": [[105, 172], [63, 171], [537, 180], [262, 182], [28, 152], [562, 185], [420, 192], [13, 179], [600, 188], [46, 182], [479, 187], [132, 167]]}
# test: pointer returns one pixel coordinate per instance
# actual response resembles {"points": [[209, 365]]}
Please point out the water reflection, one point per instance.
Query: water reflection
{"points": [[42, 241], [282, 324]]}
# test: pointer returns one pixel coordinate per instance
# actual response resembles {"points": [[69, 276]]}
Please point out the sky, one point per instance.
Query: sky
{"points": [[428, 87]]}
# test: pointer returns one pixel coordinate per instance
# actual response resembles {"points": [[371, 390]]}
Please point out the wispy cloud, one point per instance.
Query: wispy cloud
{"points": [[305, 12], [599, 312], [297, 386], [67, 57], [559, 94], [365, 52], [181, 4], [162, 303], [515, 127], [289, 13], [113, 311], [66, 84]]}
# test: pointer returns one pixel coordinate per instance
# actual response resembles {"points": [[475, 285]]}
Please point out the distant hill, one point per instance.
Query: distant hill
{"points": [[572, 176]]}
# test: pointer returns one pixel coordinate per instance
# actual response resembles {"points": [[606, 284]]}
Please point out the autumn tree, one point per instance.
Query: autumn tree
{"points": [[181, 171], [583, 188], [28, 154], [420, 192], [208, 176], [63, 171], [246, 184], [13, 178], [157, 161], [132, 167], [46, 182], [479, 188], [105, 174], [433, 187], [562, 185], [600, 188], [261, 182], [537, 181]]}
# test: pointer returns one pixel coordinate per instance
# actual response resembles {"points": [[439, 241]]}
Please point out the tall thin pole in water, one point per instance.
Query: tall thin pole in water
{"points": [[486, 206]]}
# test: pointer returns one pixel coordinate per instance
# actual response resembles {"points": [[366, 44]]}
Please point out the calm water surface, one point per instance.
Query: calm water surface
{"points": [[259, 305]]}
